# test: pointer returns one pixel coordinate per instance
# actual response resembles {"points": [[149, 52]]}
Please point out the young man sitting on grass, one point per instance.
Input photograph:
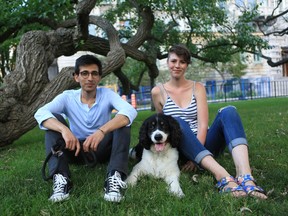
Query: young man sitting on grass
{"points": [[91, 130]]}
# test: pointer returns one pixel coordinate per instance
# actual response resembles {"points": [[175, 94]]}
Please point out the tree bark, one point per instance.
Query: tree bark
{"points": [[27, 88]]}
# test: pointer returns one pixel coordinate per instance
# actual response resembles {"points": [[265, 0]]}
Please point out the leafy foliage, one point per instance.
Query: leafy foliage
{"points": [[20, 16], [192, 22]]}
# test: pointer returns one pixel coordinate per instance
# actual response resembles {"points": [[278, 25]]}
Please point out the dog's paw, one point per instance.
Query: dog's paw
{"points": [[178, 192], [131, 181]]}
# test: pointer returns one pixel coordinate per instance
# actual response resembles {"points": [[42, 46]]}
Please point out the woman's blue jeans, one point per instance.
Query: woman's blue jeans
{"points": [[226, 130]]}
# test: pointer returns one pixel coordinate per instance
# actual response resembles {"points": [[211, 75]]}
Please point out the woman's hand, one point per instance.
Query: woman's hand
{"points": [[189, 167]]}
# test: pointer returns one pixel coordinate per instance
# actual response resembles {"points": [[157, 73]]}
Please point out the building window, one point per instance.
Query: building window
{"points": [[222, 5], [240, 3], [263, 3], [285, 66], [120, 1], [257, 58], [106, 2], [251, 3]]}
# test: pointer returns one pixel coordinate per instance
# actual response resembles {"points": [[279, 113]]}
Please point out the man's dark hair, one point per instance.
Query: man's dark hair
{"points": [[87, 60], [182, 51]]}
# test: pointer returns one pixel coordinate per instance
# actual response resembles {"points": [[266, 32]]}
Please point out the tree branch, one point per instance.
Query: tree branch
{"points": [[144, 29], [116, 55], [83, 10], [270, 62]]}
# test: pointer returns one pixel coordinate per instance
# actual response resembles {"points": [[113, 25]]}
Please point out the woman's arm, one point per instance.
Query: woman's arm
{"points": [[157, 99], [202, 115]]}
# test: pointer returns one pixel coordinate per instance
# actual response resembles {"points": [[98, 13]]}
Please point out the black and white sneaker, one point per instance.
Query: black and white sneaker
{"points": [[132, 153], [113, 186], [135, 153], [61, 187]]}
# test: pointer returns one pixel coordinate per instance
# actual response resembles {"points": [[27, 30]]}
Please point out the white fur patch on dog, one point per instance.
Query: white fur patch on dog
{"points": [[159, 164]]}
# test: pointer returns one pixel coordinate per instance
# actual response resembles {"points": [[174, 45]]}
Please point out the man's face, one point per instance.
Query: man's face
{"points": [[88, 77]]}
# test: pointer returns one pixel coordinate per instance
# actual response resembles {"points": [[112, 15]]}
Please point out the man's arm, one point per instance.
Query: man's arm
{"points": [[92, 142], [124, 117], [117, 122], [71, 141], [46, 120]]}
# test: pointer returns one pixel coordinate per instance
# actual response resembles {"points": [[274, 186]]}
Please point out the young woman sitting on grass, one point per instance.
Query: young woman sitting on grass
{"points": [[186, 101]]}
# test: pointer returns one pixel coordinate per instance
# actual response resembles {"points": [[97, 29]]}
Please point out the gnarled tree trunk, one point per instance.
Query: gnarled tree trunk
{"points": [[28, 86]]}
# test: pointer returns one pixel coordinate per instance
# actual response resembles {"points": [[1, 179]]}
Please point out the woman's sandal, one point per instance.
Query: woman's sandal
{"points": [[249, 189], [223, 188]]}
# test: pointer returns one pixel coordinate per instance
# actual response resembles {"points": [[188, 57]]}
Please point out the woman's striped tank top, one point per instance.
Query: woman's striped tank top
{"points": [[188, 114]]}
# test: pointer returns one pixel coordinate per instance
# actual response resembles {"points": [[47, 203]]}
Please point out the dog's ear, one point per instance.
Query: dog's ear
{"points": [[144, 139], [176, 133]]}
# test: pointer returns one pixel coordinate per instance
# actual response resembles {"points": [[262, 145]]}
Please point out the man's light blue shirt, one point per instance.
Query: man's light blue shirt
{"points": [[83, 120]]}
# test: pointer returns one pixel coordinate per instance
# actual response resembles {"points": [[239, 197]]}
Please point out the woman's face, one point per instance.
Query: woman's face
{"points": [[177, 65]]}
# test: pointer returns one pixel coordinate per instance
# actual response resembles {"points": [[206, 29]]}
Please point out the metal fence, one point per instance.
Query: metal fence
{"points": [[225, 91], [243, 90]]}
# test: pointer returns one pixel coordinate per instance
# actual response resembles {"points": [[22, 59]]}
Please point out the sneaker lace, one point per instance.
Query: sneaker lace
{"points": [[115, 182], [59, 183]]}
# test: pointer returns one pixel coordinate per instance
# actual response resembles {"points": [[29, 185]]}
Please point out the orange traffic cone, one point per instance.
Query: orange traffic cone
{"points": [[133, 101], [124, 97]]}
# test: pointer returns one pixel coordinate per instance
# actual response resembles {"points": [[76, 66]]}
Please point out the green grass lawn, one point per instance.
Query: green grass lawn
{"points": [[23, 192]]}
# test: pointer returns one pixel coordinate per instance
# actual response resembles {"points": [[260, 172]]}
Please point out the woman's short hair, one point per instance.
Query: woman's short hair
{"points": [[182, 51]]}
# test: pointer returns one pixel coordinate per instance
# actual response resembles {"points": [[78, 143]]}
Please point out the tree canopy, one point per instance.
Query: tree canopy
{"points": [[45, 30]]}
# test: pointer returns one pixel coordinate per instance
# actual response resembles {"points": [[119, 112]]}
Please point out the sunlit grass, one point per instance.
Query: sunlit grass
{"points": [[23, 192]]}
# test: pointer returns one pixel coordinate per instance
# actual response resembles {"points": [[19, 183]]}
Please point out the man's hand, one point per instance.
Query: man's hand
{"points": [[92, 141], [72, 143]]}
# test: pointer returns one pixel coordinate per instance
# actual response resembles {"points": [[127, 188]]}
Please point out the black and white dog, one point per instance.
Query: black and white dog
{"points": [[159, 135]]}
